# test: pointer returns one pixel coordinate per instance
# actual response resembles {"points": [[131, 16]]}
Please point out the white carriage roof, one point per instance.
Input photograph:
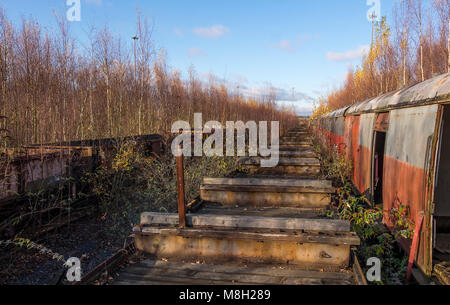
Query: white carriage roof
{"points": [[436, 89]]}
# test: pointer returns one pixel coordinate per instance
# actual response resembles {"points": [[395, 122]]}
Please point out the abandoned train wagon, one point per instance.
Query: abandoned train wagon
{"points": [[399, 146]]}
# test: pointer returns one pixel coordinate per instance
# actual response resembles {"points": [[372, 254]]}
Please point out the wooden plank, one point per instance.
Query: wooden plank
{"points": [[166, 280], [296, 154], [296, 143], [250, 222], [265, 189], [442, 272], [347, 239], [262, 212], [187, 274], [279, 271], [177, 273], [286, 170], [295, 148], [269, 182], [283, 162], [258, 197]]}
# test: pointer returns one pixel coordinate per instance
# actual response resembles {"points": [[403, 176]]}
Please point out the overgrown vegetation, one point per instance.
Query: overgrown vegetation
{"points": [[133, 183], [366, 221], [36, 210], [30, 245]]}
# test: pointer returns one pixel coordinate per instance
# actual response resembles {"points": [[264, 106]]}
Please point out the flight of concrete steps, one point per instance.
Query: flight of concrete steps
{"points": [[273, 217]]}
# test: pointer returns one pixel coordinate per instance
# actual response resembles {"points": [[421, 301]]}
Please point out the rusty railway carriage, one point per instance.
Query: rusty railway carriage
{"points": [[399, 146]]}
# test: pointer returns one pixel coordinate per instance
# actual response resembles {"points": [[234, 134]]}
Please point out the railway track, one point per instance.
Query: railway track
{"points": [[267, 228]]}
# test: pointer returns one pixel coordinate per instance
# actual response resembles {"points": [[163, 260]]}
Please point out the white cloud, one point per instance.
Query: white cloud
{"points": [[304, 109], [280, 94], [348, 55], [178, 32], [214, 31], [96, 2], [294, 44], [195, 52], [302, 37], [285, 45], [301, 101]]}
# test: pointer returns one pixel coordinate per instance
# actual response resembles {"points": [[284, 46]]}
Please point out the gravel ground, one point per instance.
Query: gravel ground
{"points": [[85, 240]]}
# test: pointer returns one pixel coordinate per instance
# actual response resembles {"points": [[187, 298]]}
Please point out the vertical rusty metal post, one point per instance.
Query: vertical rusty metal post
{"points": [[180, 187], [415, 245]]}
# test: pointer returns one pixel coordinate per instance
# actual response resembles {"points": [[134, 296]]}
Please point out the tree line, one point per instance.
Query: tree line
{"points": [[411, 48], [55, 89]]}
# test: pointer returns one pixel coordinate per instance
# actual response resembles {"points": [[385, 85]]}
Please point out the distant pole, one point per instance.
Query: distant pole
{"points": [[373, 16], [135, 38], [180, 187]]}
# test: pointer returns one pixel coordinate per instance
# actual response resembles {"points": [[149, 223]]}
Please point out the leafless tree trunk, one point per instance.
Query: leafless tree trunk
{"points": [[448, 47]]}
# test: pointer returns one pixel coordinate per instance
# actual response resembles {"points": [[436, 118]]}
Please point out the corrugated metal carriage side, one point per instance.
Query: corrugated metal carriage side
{"points": [[396, 145]]}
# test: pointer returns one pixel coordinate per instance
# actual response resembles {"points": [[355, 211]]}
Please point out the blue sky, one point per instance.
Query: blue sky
{"points": [[302, 48]]}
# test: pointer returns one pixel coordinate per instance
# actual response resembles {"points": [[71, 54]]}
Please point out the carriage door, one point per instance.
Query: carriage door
{"points": [[442, 192], [378, 149]]}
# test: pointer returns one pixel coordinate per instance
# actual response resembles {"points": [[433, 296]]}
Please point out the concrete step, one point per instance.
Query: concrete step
{"points": [[298, 131], [262, 192], [305, 138], [286, 166], [296, 147], [309, 242], [296, 143], [309, 153]]}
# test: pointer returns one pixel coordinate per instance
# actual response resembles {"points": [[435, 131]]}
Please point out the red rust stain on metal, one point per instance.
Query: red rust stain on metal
{"points": [[382, 122], [348, 138], [362, 162], [355, 148], [403, 184], [334, 139]]}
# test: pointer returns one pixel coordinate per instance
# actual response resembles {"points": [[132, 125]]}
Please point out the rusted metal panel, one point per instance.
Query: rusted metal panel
{"points": [[354, 147], [382, 122], [348, 137], [31, 167], [364, 157], [404, 174], [409, 130], [32, 172], [180, 189], [357, 141], [410, 148]]}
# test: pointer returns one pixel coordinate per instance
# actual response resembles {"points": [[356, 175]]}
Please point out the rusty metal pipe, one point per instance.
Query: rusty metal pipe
{"points": [[180, 187]]}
